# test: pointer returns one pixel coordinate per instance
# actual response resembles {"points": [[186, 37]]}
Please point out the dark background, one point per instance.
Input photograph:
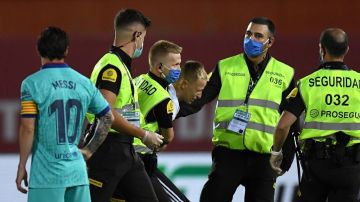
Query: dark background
{"points": [[207, 30]]}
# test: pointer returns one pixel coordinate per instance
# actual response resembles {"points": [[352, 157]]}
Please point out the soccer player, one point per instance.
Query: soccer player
{"points": [[54, 101]]}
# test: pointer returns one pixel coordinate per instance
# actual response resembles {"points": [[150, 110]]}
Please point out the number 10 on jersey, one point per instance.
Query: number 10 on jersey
{"points": [[67, 115]]}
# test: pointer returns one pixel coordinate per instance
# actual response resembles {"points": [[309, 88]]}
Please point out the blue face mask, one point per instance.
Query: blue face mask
{"points": [[138, 51], [173, 76], [253, 48]]}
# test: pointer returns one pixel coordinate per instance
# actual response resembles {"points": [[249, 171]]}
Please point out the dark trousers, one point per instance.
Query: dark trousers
{"points": [[165, 190], [116, 165], [330, 180], [231, 168]]}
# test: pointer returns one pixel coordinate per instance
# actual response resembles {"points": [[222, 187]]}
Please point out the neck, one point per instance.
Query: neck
{"points": [[258, 59], [156, 73], [179, 92], [328, 58], [47, 60], [124, 46]]}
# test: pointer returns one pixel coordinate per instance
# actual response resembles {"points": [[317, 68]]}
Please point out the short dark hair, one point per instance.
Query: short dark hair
{"points": [[126, 17], [265, 21], [52, 43], [335, 41]]}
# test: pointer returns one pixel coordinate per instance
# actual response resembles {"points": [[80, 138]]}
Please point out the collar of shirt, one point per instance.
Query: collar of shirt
{"points": [[124, 57], [334, 65], [54, 65], [260, 67], [161, 81]]}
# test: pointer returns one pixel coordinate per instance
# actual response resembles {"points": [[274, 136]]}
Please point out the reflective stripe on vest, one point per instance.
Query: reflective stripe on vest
{"points": [[128, 107], [251, 125], [263, 103], [332, 126], [139, 147], [331, 99], [252, 101]]}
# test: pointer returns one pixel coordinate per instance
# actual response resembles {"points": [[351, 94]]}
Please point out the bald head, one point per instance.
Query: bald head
{"points": [[334, 41]]}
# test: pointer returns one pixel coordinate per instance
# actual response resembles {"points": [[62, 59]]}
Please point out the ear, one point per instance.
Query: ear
{"points": [[271, 41], [322, 50], [158, 68], [66, 51], [136, 35], [183, 83]]}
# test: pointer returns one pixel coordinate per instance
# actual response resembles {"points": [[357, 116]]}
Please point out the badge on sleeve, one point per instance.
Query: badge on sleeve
{"points": [[239, 122], [170, 107], [293, 93], [109, 75]]}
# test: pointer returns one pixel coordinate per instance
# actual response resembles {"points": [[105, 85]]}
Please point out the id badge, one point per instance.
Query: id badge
{"points": [[132, 116], [239, 121]]}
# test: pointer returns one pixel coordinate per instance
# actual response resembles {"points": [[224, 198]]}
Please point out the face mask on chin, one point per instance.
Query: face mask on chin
{"points": [[138, 51], [253, 48]]}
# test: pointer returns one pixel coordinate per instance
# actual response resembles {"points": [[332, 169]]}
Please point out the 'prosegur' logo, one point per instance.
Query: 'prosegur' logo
{"points": [[314, 113], [234, 74]]}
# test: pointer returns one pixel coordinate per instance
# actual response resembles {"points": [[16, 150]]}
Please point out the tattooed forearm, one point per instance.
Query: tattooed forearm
{"points": [[101, 131]]}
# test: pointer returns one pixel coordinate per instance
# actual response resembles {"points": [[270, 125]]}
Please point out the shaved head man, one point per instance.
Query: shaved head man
{"points": [[330, 98]]}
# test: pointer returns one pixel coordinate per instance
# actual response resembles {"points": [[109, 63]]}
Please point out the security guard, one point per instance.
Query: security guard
{"points": [[157, 108], [251, 89], [330, 97], [187, 88], [116, 164]]}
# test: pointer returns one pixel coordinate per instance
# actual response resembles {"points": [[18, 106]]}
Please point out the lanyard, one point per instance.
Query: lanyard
{"points": [[129, 76], [251, 87]]}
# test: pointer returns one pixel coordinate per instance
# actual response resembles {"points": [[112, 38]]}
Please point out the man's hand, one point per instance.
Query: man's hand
{"points": [[152, 140], [275, 161], [161, 148], [21, 175]]}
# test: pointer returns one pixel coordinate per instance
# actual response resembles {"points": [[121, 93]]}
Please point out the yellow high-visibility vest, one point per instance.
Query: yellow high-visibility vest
{"points": [[126, 101], [331, 99], [150, 94], [263, 103]]}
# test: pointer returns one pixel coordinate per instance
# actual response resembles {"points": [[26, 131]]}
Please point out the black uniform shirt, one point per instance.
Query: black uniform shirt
{"points": [[162, 112], [109, 77], [296, 104]]}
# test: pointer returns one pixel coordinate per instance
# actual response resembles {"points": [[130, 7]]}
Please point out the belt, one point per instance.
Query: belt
{"points": [[121, 137], [325, 150]]}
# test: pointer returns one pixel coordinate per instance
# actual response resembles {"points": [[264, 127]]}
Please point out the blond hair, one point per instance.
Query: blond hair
{"points": [[193, 70], [160, 49]]}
